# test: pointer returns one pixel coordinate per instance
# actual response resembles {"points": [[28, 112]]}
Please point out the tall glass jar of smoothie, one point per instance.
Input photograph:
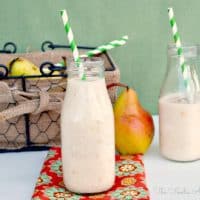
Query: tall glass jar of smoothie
{"points": [[87, 130], [179, 118]]}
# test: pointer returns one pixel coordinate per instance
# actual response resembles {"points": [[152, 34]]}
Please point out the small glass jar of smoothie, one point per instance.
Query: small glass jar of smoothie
{"points": [[179, 118], [87, 130]]}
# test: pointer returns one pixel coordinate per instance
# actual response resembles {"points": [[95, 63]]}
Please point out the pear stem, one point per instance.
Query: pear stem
{"points": [[11, 64], [65, 63], [64, 60], [117, 84]]}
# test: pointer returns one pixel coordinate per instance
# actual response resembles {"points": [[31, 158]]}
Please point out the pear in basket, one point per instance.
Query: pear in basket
{"points": [[22, 67]]}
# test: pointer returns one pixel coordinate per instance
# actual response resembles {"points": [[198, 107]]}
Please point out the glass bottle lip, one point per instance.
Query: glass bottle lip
{"points": [[190, 50], [91, 67], [89, 61]]}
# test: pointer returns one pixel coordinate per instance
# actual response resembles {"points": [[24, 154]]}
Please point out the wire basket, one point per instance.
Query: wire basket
{"points": [[39, 128]]}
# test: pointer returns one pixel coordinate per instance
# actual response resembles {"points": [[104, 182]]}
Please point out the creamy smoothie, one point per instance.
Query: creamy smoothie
{"points": [[87, 126], [179, 128]]}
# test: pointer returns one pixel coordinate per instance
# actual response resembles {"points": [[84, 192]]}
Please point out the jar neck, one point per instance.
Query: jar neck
{"points": [[92, 68]]}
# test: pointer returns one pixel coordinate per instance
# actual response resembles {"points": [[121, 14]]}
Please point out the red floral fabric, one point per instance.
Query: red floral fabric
{"points": [[129, 182]]}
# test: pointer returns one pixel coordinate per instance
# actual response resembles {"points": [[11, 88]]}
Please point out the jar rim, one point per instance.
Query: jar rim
{"points": [[189, 50], [86, 61], [91, 67], [184, 45]]}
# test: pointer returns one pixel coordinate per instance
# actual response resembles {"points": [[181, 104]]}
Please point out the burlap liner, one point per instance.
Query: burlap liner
{"points": [[28, 102]]}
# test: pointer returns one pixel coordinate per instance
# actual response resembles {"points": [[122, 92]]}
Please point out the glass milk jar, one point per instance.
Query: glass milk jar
{"points": [[87, 130], [179, 117]]}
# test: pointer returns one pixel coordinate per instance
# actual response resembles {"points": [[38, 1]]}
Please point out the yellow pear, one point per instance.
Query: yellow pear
{"points": [[22, 67], [134, 128], [46, 70]]}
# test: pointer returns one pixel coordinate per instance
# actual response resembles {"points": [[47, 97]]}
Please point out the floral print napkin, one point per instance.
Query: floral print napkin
{"points": [[129, 182]]}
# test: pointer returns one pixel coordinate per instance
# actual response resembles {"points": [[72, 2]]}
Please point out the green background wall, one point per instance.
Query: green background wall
{"points": [[142, 62]]}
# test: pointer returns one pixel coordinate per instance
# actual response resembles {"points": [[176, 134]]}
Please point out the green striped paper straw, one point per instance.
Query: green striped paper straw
{"points": [[72, 42], [108, 46], [102, 48], [184, 67]]}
